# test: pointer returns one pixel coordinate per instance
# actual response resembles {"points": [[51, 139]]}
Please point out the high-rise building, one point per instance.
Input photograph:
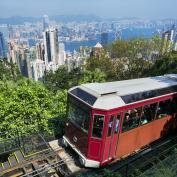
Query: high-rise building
{"points": [[175, 43], [11, 32], [62, 54], [22, 62], [47, 47], [38, 69], [28, 60], [40, 53], [104, 38], [2, 46], [168, 40], [12, 48], [54, 45], [51, 46], [45, 22]]}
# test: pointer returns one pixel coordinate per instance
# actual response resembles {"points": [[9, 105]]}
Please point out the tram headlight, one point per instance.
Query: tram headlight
{"points": [[64, 142], [82, 161]]}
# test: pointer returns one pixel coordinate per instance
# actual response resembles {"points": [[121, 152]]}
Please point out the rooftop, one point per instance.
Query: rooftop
{"points": [[110, 95], [98, 45], [131, 86]]}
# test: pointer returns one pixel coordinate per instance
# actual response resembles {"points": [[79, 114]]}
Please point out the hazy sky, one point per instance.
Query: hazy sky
{"points": [[152, 9]]}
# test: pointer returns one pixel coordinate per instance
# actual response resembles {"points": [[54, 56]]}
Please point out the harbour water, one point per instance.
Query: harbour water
{"points": [[128, 33]]}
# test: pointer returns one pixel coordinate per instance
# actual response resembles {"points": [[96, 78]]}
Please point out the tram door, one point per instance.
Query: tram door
{"points": [[112, 136]]}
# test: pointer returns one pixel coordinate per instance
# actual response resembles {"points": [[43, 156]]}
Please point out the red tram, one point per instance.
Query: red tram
{"points": [[108, 121]]}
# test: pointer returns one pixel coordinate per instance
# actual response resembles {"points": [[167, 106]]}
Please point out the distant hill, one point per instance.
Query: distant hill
{"points": [[123, 18], [76, 18], [18, 20]]}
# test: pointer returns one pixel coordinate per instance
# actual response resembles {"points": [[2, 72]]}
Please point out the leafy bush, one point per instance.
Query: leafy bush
{"points": [[27, 106]]}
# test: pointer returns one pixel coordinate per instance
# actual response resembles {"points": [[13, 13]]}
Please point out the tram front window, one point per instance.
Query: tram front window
{"points": [[79, 115]]}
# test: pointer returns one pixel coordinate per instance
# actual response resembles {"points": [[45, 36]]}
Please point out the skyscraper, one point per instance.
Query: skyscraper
{"points": [[45, 22], [168, 40], [175, 43], [54, 45], [104, 38], [40, 51], [47, 46], [11, 32], [22, 62], [2, 46], [38, 69], [62, 54], [51, 45], [12, 48]]}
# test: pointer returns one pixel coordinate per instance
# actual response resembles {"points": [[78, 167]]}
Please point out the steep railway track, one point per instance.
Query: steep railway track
{"points": [[64, 162]]}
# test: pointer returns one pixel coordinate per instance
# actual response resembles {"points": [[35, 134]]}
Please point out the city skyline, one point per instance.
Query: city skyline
{"points": [[102, 8]]}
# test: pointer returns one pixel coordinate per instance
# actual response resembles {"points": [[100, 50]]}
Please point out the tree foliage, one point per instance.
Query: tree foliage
{"points": [[134, 48], [93, 76], [27, 105], [165, 65], [104, 63], [62, 79], [8, 71]]}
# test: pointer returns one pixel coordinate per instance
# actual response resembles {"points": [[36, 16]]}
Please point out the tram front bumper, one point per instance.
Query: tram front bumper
{"points": [[83, 160]]}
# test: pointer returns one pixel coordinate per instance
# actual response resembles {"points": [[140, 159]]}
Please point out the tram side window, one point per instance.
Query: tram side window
{"points": [[132, 119], [98, 123], [164, 109], [148, 113], [110, 125], [117, 123]]}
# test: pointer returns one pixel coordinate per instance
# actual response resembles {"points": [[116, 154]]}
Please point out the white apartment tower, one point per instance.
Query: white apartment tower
{"points": [[62, 54]]}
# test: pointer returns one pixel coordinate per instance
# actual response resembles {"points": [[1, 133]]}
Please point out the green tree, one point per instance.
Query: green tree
{"points": [[165, 65], [103, 63], [27, 106], [8, 71], [62, 79], [132, 57], [93, 76], [57, 80], [134, 48]]}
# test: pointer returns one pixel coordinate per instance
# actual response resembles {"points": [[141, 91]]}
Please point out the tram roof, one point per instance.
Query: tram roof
{"points": [[111, 95]]}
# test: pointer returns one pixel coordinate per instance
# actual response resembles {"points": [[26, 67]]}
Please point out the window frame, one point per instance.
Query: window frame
{"points": [[167, 97], [119, 125], [95, 114], [170, 99], [73, 100], [109, 132], [154, 114], [124, 112]]}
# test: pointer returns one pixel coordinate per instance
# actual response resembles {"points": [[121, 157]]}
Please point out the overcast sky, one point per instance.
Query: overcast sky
{"points": [[150, 9]]}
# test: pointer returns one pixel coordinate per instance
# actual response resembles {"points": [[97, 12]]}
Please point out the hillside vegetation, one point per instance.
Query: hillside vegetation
{"points": [[28, 105]]}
